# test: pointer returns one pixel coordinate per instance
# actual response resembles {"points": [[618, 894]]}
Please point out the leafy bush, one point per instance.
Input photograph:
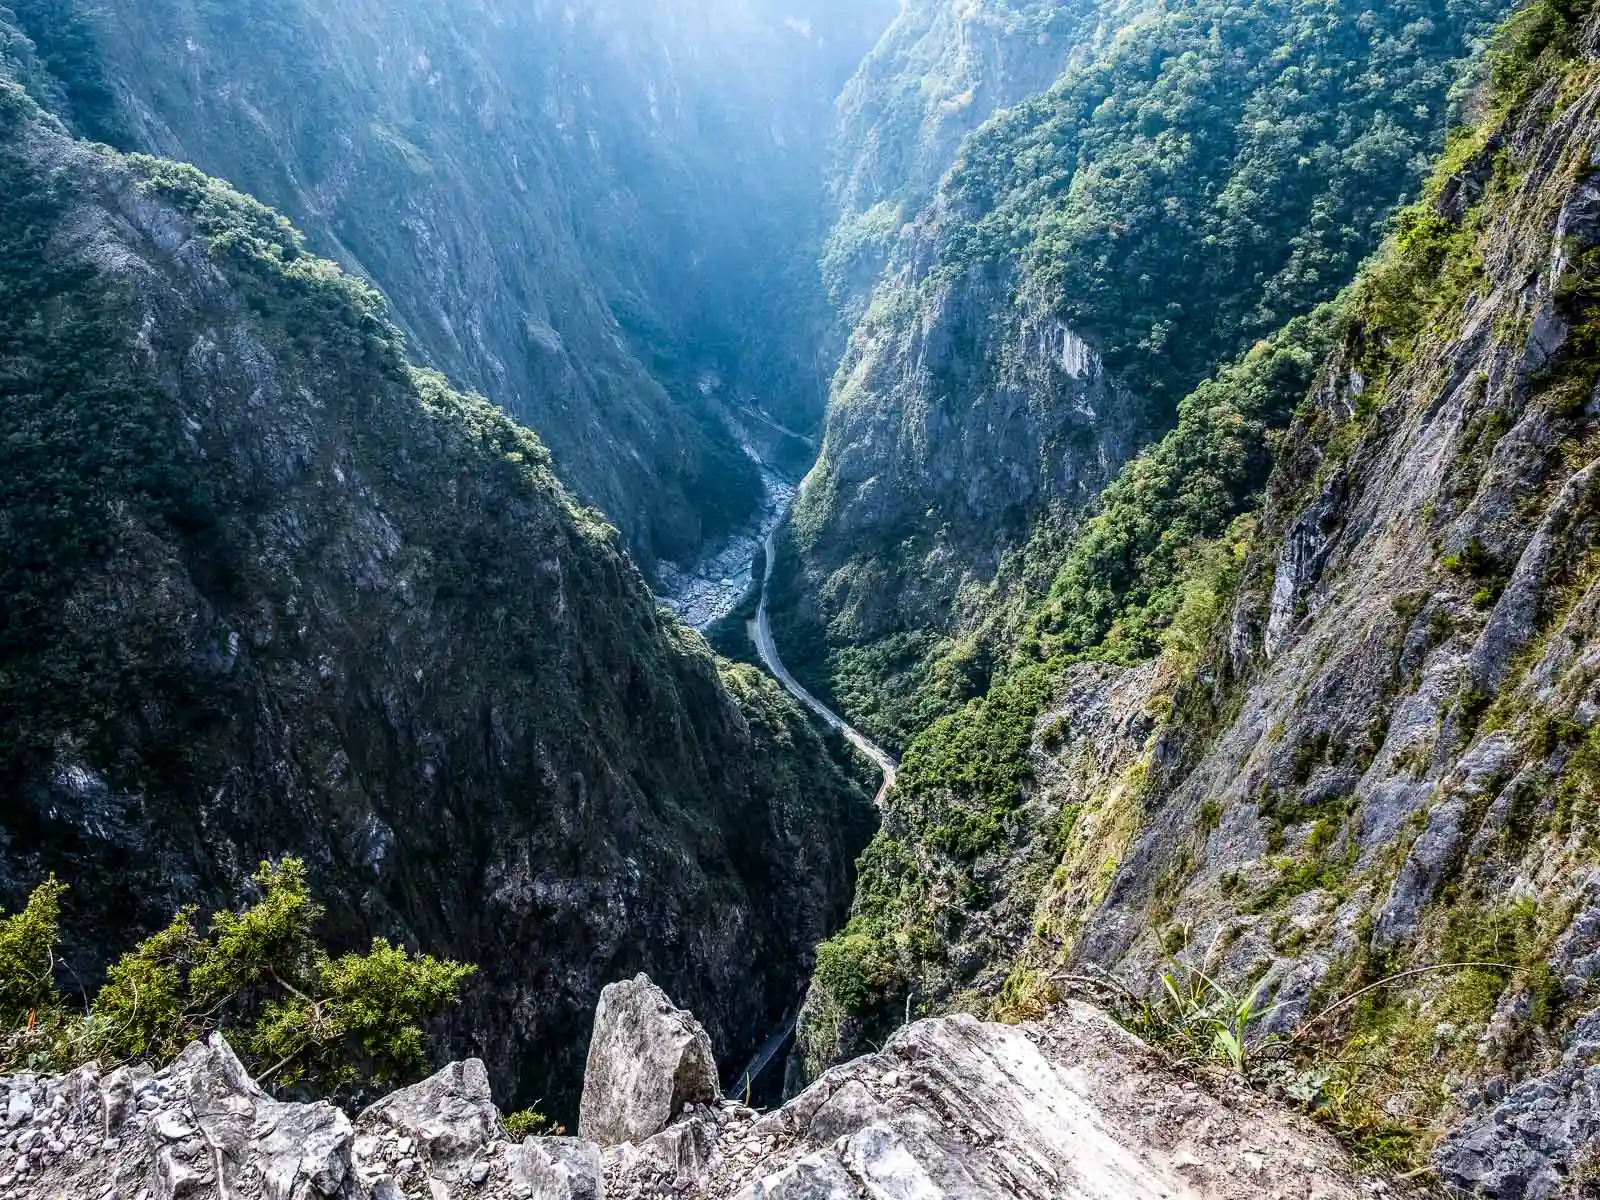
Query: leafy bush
{"points": [[1536, 40], [856, 968], [339, 1026], [27, 956]]}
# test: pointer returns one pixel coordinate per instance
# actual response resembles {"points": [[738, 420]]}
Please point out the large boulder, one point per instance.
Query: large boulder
{"points": [[647, 1060], [446, 1120]]}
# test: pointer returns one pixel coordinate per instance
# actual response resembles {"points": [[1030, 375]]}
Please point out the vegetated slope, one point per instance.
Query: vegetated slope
{"points": [[267, 588], [1204, 173], [603, 217], [939, 71], [1367, 745]]}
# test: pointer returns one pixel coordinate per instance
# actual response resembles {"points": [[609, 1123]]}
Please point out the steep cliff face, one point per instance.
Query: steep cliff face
{"points": [[265, 588], [602, 216], [1365, 754], [1197, 175]]}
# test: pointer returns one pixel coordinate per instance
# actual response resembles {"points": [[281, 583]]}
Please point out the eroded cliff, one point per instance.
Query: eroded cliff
{"points": [[602, 217], [1355, 780], [1196, 176]]}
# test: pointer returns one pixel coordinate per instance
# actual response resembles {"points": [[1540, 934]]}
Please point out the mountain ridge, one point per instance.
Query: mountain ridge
{"points": [[273, 589]]}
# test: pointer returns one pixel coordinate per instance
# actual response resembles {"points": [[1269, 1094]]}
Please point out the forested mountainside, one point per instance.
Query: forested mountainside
{"points": [[1206, 509], [269, 588], [1331, 739], [937, 73], [603, 217], [1199, 174]]}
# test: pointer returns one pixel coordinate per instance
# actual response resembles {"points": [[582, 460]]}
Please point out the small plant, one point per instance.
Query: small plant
{"points": [[532, 1123], [1193, 1016], [1201, 1017]]}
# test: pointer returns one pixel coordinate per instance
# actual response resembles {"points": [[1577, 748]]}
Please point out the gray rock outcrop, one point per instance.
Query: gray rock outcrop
{"points": [[647, 1060], [1537, 1140], [1071, 1107]]}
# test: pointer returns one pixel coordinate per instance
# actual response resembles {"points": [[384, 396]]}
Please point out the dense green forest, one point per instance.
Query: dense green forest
{"points": [[1216, 171], [72, 66], [1208, 173]]}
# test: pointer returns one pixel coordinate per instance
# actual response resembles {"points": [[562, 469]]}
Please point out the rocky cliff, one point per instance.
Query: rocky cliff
{"points": [[267, 588], [1195, 177], [1355, 781], [602, 217], [1070, 1108]]}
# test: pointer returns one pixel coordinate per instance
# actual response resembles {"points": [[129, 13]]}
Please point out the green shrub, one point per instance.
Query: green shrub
{"points": [[27, 956], [857, 968], [531, 1123], [299, 1016]]}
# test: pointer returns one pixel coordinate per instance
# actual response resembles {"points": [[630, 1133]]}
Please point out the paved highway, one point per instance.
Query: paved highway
{"points": [[761, 634]]}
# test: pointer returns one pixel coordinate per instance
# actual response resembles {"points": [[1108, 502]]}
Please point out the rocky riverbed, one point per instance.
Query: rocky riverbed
{"points": [[704, 592]]}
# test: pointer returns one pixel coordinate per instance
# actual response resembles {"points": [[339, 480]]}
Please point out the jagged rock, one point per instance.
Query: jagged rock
{"points": [[1305, 552], [203, 1130], [1530, 1144], [647, 1059], [1071, 1107], [448, 1118], [1545, 340], [558, 1169], [1419, 877], [20, 1109]]}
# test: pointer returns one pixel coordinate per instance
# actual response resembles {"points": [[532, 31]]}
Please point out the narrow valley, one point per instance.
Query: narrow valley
{"points": [[799, 599]]}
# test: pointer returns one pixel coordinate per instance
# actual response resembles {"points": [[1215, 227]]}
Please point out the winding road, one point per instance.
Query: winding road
{"points": [[760, 630], [761, 635]]}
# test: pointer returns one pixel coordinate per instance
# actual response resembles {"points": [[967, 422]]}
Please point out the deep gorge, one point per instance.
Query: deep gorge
{"points": [[1195, 405]]}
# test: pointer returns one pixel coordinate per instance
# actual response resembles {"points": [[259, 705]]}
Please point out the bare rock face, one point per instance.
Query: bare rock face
{"points": [[1071, 1107], [559, 1169], [647, 1060], [1532, 1142], [443, 1123], [200, 1128]]}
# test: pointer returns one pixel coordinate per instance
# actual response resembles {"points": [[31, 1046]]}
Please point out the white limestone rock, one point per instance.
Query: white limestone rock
{"points": [[647, 1060]]}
